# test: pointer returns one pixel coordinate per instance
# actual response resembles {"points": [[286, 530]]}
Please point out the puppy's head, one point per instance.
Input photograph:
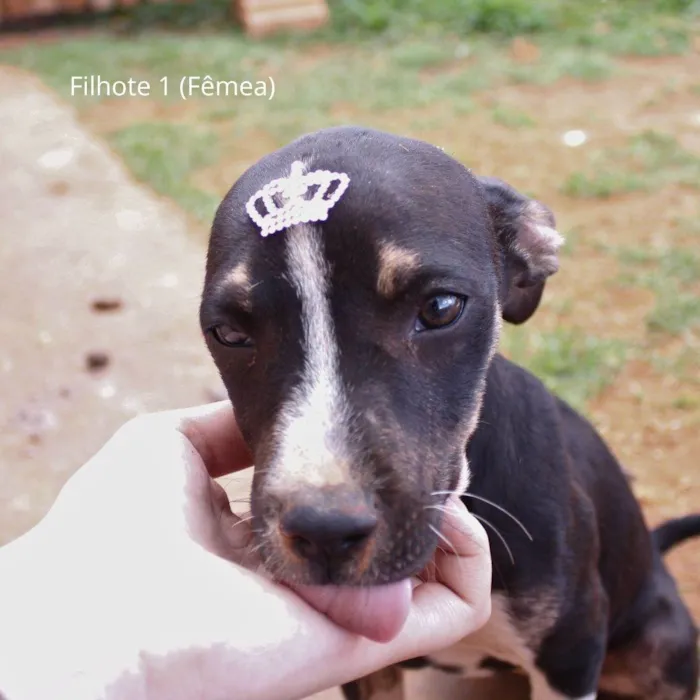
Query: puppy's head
{"points": [[355, 350]]}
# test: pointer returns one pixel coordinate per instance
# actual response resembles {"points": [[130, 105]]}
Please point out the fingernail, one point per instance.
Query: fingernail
{"points": [[415, 582]]}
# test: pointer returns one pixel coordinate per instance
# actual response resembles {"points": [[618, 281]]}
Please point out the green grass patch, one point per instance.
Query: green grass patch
{"points": [[512, 118], [165, 156], [574, 365], [685, 365], [675, 312], [673, 275], [504, 17], [645, 26], [679, 264], [651, 34], [421, 54], [650, 159], [602, 184], [686, 403], [559, 61]]}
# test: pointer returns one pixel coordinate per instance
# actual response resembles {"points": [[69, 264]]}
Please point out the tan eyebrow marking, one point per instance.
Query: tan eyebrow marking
{"points": [[394, 263], [237, 282]]}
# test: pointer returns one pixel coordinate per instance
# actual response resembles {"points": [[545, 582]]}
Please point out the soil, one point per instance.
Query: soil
{"points": [[70, 372]]}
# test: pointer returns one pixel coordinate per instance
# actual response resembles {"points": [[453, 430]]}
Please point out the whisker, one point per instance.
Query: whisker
{"points": [[241, 521], [500, 536], [444, 509], [444, 539], [491, 503], [437, 506], [504, 511]]}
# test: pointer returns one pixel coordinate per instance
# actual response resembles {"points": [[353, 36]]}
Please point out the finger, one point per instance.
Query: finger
{"points": [[468, 546], [235, 529], [458, 602], [230, 535], [214, 433]]}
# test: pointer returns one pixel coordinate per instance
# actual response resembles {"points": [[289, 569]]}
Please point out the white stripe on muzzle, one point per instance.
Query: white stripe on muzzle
{"points": [[312, 427]]}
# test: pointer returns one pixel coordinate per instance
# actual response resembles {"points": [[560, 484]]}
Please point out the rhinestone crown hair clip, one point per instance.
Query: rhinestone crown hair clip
{"points": [[297, 199]]}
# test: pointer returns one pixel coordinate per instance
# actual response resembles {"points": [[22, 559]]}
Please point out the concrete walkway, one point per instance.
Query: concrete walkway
{"points": [[74, 231]]}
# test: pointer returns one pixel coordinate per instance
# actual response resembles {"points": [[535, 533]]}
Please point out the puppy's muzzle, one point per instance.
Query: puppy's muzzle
{"points": [[328, 527]]}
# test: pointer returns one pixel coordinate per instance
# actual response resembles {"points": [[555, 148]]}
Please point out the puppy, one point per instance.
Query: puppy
{"points": [[355, 287]]}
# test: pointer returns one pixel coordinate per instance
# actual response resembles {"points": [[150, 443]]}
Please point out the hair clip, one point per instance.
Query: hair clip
{"points": [[297, 199]]}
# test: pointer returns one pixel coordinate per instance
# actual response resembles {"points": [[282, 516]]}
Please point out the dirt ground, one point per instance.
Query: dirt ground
{"points": [[76, 223]]}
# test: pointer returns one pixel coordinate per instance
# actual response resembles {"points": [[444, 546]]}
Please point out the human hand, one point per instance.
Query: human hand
{"points": [[130, 587]]}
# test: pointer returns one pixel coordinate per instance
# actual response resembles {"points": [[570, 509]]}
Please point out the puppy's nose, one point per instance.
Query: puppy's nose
{"points": [[318, 533]]}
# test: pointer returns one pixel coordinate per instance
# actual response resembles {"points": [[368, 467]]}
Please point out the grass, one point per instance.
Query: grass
{"points": [[649, 160], [375, 76], [164, 155], [511, 118], [673, 274], [573, 364], [387, 55], [683, 364], [675, 312], [686, 403], [602, 183], [581, 63], [679, 264]]}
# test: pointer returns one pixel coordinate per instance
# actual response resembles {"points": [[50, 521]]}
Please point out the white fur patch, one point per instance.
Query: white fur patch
{"points": [[497, 638], [551, 240], [312, 427], [500, 639], [538, 243]]}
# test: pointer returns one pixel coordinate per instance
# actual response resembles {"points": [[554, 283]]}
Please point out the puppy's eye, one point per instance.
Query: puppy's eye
{"points": [[440, 311], [226, 335]]}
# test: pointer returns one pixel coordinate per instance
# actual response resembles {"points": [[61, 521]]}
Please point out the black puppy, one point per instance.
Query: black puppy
{"points": [[355, 287]]}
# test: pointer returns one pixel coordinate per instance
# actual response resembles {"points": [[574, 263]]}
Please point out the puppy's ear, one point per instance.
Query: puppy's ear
{"points": [[528, 243]]}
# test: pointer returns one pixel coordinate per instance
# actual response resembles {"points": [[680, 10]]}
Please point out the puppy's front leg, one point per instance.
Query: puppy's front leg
{"points": [[386, 684]]}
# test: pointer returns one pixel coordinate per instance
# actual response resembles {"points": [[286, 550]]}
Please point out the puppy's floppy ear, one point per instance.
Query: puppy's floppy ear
{"points": [[528, 243]]}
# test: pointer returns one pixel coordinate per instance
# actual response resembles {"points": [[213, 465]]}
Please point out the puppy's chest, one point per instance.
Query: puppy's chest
{"points": [[499, 639]]}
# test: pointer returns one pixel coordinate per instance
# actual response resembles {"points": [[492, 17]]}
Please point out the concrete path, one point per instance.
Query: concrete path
{"points": [[74, 231]]}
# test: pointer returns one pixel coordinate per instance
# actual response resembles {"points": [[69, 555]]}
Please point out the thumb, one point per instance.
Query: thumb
{"points": [[214, 433]]}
